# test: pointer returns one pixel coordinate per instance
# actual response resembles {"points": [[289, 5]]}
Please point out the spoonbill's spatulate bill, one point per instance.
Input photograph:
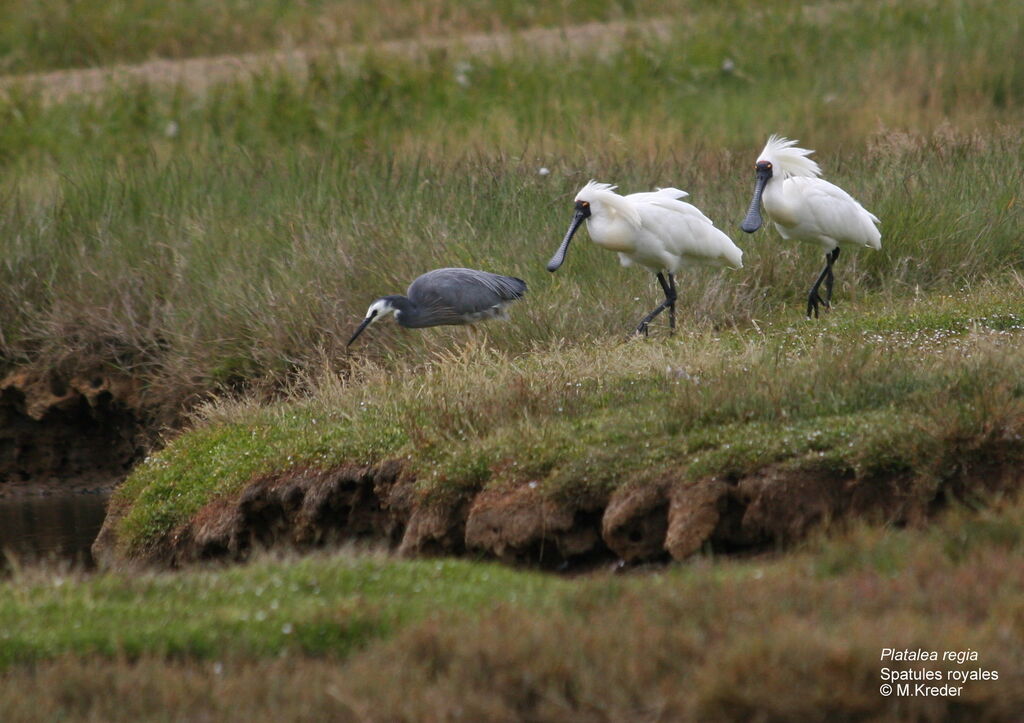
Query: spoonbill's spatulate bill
{"points": [[654, 230], [448, 297], [804, 207]]}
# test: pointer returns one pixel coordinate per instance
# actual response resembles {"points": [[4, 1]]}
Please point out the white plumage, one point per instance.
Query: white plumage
{"points": [[804, 207], [812, 209], [655, 230]]}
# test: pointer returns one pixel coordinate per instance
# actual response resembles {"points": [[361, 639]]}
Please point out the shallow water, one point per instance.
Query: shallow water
{"points": [[56, 527]]}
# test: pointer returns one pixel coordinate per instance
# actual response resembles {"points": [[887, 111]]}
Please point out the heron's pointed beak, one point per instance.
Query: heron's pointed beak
{"points": [[753, 220], [559, 257], [366, 323]]}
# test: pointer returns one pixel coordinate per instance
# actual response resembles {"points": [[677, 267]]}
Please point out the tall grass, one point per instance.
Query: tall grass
{"points": [[211, 241], [842, 73], [207, 240], [241, 266]]}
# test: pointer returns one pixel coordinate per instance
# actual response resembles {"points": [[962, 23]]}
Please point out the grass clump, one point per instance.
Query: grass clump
{"points": [[771, 638], [228, 239]]}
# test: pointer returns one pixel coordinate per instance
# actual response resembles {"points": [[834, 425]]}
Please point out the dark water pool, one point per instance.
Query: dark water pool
{"points": [[57, 527]]}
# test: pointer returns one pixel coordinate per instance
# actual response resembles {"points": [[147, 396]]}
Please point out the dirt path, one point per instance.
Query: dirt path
{"points": [[198, 74]]}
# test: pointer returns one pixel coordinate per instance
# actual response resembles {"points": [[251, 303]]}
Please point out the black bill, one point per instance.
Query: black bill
{"points": [[753, 220], [366, 323], [559, 257]]}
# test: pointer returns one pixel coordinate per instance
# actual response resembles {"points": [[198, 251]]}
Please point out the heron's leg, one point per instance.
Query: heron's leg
{"points": [[477, 336], [814, 298], [668, 303]]}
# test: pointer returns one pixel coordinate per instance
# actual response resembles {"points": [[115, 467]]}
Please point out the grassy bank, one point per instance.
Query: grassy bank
{"points": [[927, 388], [777, 638]]}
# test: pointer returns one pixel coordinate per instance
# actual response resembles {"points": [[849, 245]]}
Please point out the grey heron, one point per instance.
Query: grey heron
{"points": [[805, 207], [655, 230], [448, 297]]}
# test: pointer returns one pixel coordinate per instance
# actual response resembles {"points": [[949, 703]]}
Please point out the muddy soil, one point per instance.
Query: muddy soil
{"points": [[61, 434]]}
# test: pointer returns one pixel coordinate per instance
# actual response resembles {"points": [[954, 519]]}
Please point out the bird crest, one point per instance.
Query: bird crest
{"points": [[604, 193], [593, 188], [788, 160]]}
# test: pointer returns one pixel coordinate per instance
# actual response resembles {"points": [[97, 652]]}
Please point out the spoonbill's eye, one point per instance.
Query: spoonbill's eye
{"points": [[585, 204]]}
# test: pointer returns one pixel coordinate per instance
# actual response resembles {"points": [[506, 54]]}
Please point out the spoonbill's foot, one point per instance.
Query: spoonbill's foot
{"points": [[814, 300]]}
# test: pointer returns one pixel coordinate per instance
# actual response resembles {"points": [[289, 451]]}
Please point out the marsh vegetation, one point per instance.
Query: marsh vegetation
{"points": [[218, 246]]}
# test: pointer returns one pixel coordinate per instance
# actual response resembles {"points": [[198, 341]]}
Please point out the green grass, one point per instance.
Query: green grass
{"points": [[319, 605], [783, 637], [56, 34], [222, 244]]}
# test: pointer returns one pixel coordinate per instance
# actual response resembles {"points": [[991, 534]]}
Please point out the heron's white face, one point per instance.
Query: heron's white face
{"points": [[379, 309]]}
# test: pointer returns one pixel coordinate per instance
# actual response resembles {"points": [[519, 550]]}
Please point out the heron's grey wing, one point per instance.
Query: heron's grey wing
{"points": [[451, 294], [504, 288]]}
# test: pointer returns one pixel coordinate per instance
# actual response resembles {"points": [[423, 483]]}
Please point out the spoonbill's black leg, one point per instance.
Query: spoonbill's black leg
{"points": [[668, 303], [830, 279], [672, 306], [670, 296], [814, 298]]}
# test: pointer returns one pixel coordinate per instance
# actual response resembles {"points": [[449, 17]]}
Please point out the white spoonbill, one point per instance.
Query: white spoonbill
{"points": [[655, 230], [807, 208]]}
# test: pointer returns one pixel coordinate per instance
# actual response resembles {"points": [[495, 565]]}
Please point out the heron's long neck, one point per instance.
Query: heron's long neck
{"points": [[405, 309]]}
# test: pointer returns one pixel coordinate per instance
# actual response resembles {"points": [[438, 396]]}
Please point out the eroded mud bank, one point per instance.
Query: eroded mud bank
{"points": [[62, 433], [673, 519]]}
